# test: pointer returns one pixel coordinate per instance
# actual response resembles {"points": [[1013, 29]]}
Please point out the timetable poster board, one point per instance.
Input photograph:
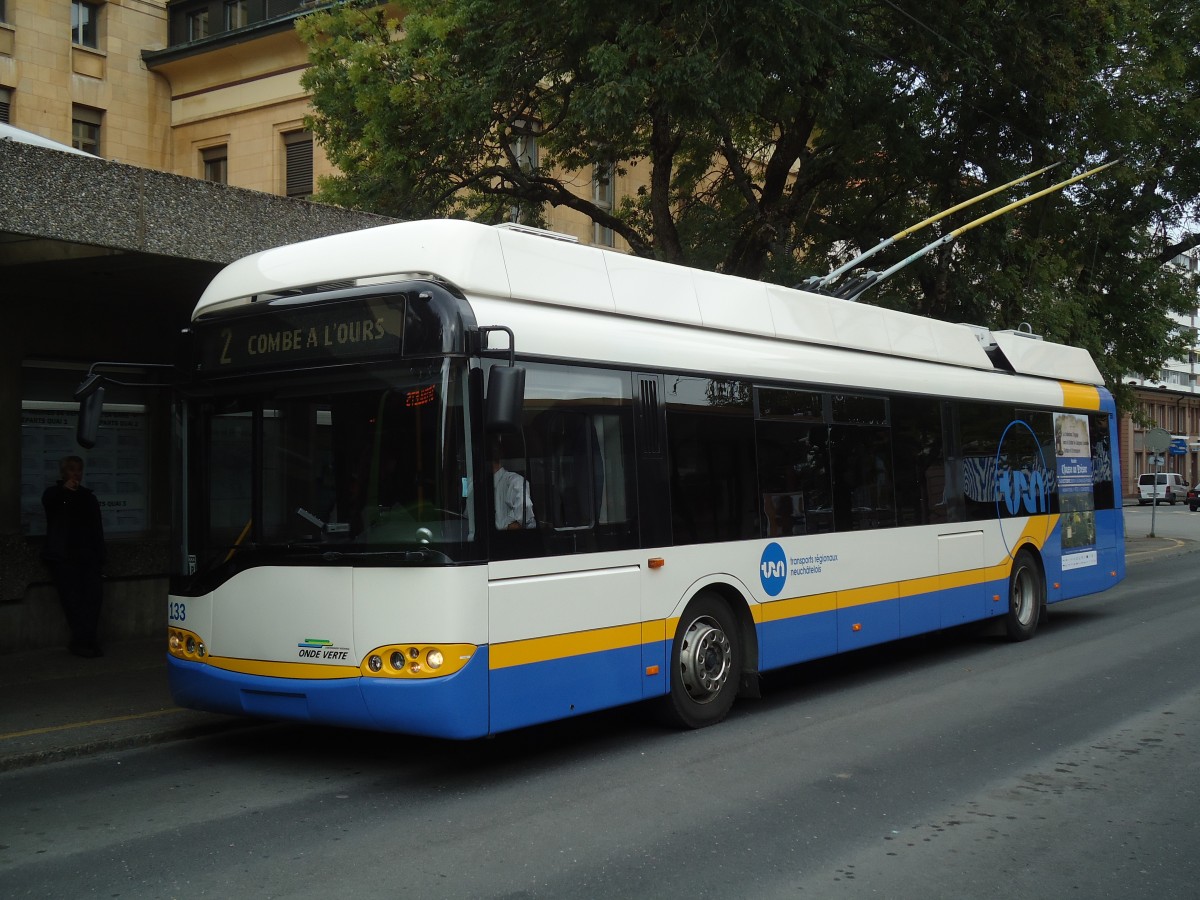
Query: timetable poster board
{"points": [[115, 469], [1076, 494]]}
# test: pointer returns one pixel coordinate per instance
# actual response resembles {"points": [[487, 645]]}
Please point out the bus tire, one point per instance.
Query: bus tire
{"points": [[1026, 597], [706, 664]]}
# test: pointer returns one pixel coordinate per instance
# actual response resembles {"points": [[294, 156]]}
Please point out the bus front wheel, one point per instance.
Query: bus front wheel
{"points": [[1026, 596], [706, 664]]}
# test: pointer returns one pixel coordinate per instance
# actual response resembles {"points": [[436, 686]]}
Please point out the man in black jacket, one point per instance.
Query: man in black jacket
{"points": [[74, 551]]}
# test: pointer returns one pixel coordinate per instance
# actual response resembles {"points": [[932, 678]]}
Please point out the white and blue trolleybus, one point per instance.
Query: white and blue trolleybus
{"points": [[448, 479]]}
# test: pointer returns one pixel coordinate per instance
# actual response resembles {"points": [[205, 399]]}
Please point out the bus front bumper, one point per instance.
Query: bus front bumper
{"points": [[455, 706]]}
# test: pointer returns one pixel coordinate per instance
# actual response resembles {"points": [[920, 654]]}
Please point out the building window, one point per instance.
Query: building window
{"points": [[215, 162], [602, 196], [5, 105], [85, 129], [298, 164], [237, 14], [85, 24], [197, 24]]}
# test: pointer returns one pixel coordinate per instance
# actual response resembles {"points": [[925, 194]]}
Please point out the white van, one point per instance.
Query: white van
{"points": [[1171, 487]]}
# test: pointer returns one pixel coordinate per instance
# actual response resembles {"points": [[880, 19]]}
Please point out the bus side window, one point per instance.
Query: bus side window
{"points": [[919, 461], [795, 477], [577, 428], [576, 482], [711, 457]]}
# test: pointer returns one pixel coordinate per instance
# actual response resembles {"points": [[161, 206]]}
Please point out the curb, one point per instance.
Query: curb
{"points": [[23, 759], [1177, 547]]}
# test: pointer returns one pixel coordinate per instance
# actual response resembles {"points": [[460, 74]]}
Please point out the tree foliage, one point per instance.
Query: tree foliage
{"points": [[775, 139]]}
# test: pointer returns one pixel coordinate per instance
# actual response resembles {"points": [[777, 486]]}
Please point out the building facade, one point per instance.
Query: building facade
{"points": [[1171, 401], [206, 89]]}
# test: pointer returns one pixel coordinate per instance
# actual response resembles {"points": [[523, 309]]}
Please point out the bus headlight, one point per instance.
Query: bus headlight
{"points": [[411, 661], [183, 644]]}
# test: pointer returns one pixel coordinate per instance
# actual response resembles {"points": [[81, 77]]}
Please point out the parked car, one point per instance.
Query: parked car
{"points": [[1193, 497], [1171, 487]]}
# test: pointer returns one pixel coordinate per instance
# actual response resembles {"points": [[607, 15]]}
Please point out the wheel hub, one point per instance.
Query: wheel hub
{"points": [[1023, 596], [705, 660]]}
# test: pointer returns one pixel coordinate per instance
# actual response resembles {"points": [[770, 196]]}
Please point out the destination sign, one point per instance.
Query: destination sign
{"points": [[287, 337]]}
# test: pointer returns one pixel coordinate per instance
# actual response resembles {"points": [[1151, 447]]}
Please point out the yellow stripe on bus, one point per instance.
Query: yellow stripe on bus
{"points": [[561, 646], [282, 669], [794, 607], [1080, 396]]}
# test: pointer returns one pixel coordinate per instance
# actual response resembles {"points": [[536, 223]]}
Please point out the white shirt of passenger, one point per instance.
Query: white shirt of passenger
{"points": [[513, 503]]}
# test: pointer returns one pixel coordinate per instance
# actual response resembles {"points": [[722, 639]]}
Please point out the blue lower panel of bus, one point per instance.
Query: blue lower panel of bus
{"points": [[784, 642], [558, 688], [450, 707]]}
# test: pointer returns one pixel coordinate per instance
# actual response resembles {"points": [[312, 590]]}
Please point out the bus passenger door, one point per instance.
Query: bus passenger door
{"points": [[962, 594], [654, 515], [564, 589]]}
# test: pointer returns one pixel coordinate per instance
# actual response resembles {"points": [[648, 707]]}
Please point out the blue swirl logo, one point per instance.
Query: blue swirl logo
{"points": [[772, 569]]}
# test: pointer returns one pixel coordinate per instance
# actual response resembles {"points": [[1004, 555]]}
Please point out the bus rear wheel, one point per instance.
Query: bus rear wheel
{"points": [[706, 664], [1026, 597]]}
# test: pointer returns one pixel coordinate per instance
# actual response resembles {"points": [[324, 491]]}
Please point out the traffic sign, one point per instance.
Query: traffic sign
{"points": [[1158, 439]]}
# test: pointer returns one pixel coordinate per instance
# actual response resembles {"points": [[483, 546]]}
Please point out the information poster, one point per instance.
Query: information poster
{"points": [[115, 469], [1076, 497]]}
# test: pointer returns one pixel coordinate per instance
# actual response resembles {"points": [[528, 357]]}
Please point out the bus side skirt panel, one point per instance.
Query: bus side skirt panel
{"points": [[536, 692]]}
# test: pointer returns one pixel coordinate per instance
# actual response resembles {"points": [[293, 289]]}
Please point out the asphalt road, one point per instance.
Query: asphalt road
{"points": [[953, 766], [1166, 521]]}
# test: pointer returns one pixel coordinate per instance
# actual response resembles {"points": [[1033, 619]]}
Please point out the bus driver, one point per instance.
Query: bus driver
{"points": [[514, 506]]}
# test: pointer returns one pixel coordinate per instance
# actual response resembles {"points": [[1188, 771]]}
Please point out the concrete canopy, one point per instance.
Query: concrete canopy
{"points": [[80, 229]]}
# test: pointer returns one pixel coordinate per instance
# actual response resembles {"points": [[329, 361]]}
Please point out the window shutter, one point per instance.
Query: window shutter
{"points": [[299, 163]]}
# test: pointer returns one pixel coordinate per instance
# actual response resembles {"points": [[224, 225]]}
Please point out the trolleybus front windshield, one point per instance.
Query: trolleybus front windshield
{"points": [[362, 472]]}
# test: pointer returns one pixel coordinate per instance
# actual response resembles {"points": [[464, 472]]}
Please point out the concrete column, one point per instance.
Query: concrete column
{"points": [[11, 353]]}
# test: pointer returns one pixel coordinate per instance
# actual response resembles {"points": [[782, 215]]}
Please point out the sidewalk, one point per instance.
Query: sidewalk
{"points": [[56, 706]]}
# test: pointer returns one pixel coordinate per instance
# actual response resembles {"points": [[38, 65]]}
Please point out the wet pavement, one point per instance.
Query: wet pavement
{"points": [[56, 706]]}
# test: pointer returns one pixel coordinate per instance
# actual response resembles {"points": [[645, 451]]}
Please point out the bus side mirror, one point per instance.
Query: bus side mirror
{"points": [[505, 398], [90, 395]]}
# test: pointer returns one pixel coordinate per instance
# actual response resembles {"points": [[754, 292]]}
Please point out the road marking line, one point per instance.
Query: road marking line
{"points": [[53, 728]]}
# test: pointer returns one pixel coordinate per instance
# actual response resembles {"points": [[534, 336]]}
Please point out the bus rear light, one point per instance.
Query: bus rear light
{"points": [[416, 661]]}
